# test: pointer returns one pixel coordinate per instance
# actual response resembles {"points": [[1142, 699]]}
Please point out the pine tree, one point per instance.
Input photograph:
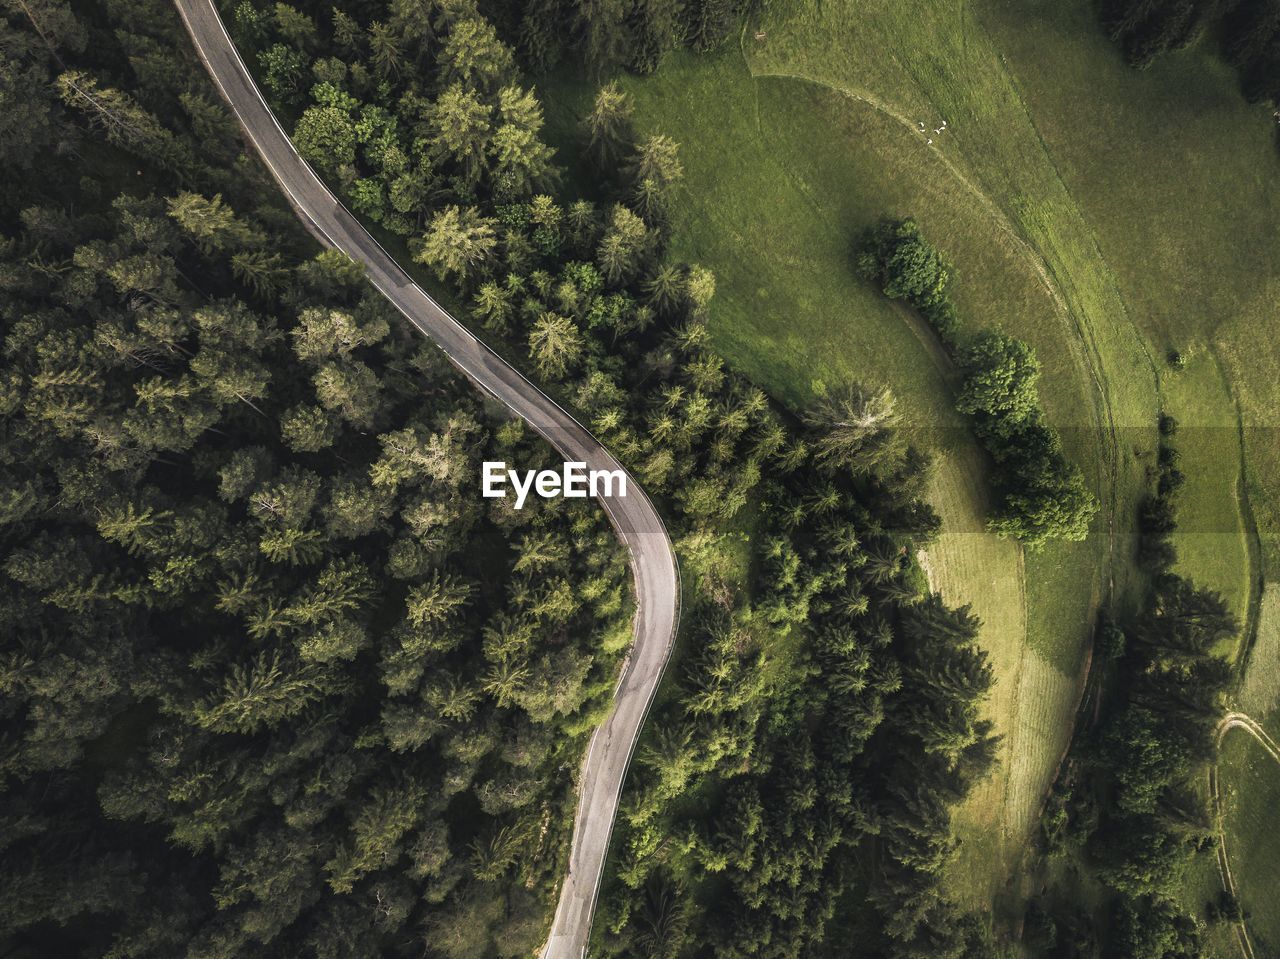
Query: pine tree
{"points": [[459, 243], [555, 345], [608, 126]]}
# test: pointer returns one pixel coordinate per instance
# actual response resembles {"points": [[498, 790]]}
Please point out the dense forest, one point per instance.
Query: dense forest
{"points": [[271, 672], [630, 34], [276, 681], [1130, 807], [577, 283]]}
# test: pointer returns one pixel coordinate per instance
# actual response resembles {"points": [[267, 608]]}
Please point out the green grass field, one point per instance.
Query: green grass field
{"points": [[1104, 215], [1251, 797], [1251, 784], [1260, 691]]}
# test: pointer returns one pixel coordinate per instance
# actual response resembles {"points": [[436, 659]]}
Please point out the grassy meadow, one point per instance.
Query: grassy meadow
{"points": [[1251, 786]]}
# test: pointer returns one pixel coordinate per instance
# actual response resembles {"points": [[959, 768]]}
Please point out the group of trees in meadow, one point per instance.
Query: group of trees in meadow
{"points": [[1040, 494], [276, 680], [1133, 801], [1248, 33]]}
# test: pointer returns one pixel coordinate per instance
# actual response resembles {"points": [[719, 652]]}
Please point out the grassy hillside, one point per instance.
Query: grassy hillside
{"points": [[782, 183], [1106, 216]]}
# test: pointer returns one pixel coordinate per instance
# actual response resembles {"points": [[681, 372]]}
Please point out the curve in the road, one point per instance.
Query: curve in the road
{"points": [[1250, 725], [638, 526]]}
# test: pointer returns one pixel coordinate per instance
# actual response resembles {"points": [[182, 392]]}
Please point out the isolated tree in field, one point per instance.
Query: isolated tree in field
{"points": [[609, 132], [1058, 507], [458, 244], [555, 345], [856, 428]]}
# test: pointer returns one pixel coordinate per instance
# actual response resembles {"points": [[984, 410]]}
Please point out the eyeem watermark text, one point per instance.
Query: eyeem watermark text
{"points": [[574, 481]]}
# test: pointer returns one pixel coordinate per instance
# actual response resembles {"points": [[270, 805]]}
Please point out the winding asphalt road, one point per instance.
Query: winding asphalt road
{"points": [[653, 562]]}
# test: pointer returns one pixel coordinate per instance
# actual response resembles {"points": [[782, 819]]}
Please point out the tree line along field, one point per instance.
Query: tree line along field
{"points": [[1108, 216]]}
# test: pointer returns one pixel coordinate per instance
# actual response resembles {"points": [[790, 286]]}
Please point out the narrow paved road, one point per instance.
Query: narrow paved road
{"points": [[657, 583]]}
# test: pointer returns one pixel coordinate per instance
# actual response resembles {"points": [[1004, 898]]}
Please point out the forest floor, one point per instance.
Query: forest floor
{"points": [[1105, 216]]}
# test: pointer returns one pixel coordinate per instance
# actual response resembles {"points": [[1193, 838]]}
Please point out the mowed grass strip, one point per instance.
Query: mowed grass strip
{"points": [[1179, 179], [1260, 692]]}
